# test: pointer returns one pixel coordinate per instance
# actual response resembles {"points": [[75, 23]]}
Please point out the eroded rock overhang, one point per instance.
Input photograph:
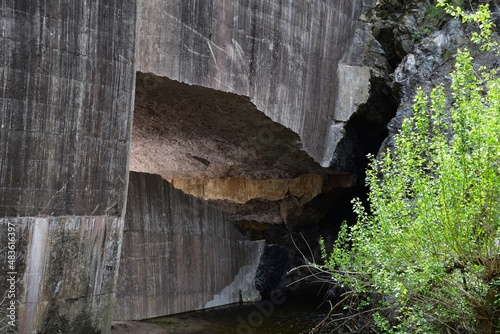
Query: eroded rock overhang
{"points": [[182, 131]]}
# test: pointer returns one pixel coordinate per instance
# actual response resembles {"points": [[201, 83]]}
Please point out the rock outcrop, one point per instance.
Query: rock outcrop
{"points": [[183, 131], [260, 91], [419, 41]]}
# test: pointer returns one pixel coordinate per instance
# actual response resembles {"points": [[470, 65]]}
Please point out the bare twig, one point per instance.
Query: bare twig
{"points": [[323, 322]]}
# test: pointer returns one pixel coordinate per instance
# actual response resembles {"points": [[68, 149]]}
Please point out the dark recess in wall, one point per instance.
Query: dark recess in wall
{"points": [[365, 131]]}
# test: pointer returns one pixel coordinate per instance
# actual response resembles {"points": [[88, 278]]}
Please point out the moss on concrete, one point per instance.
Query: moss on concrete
{"points": [[56, 323]]}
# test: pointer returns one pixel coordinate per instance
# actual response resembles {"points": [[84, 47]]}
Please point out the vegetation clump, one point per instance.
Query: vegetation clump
{"points": [[434, 16]]}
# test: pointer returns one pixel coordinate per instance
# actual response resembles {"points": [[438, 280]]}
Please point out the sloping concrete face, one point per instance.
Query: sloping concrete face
{"points": [[67, 73], [283, 55], [180, 254]]}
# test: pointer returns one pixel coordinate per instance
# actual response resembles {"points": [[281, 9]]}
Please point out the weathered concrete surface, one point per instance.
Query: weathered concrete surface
{"points": [[66, 84], [66, 91], [67, 73], [281, 54], [66, 269], [353, 92], [179, 254]]}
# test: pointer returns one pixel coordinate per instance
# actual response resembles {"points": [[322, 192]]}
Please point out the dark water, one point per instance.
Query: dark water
{"points": [[297, 316]]}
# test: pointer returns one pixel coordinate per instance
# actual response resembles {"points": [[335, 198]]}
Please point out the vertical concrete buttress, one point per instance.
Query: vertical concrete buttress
{"points": [[67, 75]]}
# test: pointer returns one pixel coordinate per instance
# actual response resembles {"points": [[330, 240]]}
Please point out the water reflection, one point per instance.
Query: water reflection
{"points": [[294, 316]]}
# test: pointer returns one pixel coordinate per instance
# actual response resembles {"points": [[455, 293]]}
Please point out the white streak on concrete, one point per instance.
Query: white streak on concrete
{"points": [[213, 55], [194, 31], [194, 52], [35, 272], [335, 134], [243, 284], [239, 50]]}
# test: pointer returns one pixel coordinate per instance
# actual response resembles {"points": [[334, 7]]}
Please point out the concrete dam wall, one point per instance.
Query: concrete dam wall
{"points": [[67, 79], [66, 273], [74, 221]]}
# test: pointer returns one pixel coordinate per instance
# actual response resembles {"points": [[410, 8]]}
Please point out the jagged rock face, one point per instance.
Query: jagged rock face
{"points": [[307, 78], [419, 46], [219, 147], [272, 270], [241, 190]]}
